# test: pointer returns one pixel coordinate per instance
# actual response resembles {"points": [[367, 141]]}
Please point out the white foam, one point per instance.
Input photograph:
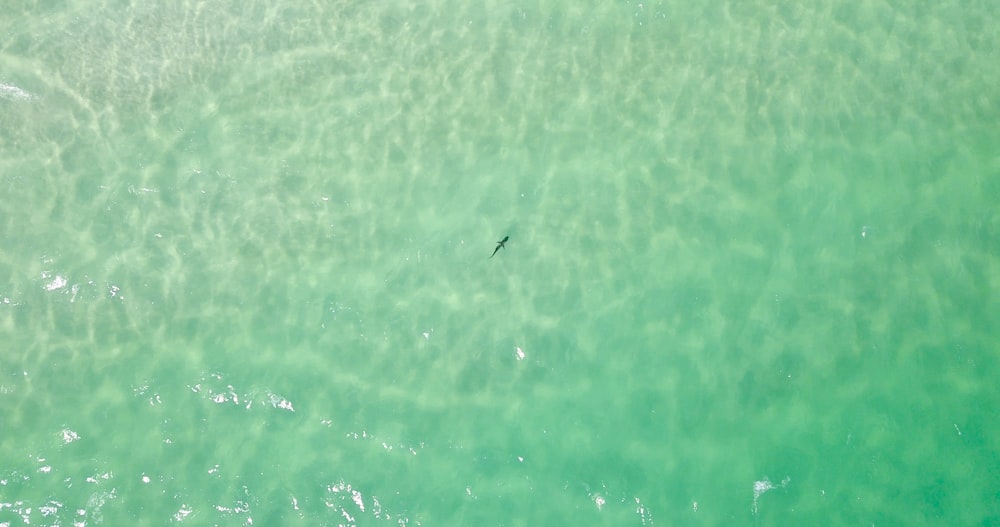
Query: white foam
{"points": [[764, 485], [13, 93], [68, 436], [57, 283]]}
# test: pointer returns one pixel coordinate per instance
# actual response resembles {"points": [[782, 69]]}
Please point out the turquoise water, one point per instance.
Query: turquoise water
{"points": [[751, 277]]}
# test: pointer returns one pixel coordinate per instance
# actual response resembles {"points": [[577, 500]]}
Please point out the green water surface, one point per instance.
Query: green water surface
{"points": [[751, 277]]}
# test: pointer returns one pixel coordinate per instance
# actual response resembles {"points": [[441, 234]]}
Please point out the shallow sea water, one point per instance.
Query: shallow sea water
{"points": [[751, 276]]}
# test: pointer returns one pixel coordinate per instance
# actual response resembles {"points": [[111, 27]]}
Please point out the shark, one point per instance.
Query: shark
{"points": [[500, 245]]}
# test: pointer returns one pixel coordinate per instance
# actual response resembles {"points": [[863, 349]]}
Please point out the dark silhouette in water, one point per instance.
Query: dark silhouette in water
{"points": [[499, 245]]}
